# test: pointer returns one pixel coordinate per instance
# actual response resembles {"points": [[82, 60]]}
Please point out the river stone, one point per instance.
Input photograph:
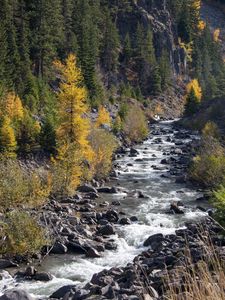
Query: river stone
{"points": [[59, 248], [92, 253], [125, 221], [86, 188], [61, 292], [44, 276], [107, 230], [16, 294], [30, 271], [6, 263], [153, 238]]}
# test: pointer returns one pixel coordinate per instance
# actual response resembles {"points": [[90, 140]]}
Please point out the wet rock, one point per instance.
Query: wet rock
{"points": [[6, 263], [108, 190], [86, 188], [181, 179], [43, 276], [59, 248], [103, 222], [16, 294], [92, 195], [92, 253], [110, 246], [174, 207], [133, 152], [76, 247], [125, 221], [61, 292], [116, 203], [112, 216], [133, 219], [153, 238], [107, 230], [30, 271], [81, 294]]}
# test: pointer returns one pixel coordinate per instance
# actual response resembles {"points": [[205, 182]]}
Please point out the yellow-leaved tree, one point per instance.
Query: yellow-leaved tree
{"points": [[8, 143], [13, 106], [195, 86], [103, 117], [74, 150]]}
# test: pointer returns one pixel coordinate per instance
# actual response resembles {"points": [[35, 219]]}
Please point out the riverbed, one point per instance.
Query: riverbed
{"points": [[143, 172]]}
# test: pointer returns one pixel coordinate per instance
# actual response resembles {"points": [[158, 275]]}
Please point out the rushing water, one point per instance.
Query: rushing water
{"points": [[151, 213]]}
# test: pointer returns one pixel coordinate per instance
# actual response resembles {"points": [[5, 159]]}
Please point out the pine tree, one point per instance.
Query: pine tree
{"points": [[192, 103], [28, 133], [48, 136], [46, 33], [139, 41], [165, 69], [149, 50], [156, 81], [8, 143], [111, 43], [127, 49], [85, 26]]}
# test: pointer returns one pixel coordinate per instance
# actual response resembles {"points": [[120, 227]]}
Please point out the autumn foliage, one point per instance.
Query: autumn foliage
{"points": [[103, 117]]}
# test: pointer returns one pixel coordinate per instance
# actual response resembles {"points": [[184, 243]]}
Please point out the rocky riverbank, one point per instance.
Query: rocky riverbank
{"points": [[86, 224]]}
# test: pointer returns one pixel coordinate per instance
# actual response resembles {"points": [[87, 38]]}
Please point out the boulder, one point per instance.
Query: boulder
{"points": [[125, 221], [107, 190], [16, 294], [176, 209], [61, 292], [87, 188], [112, 216], [59, 248], [6, 263], [43, 276], [133, 219], [92, 253], [107, 230], [154, 238], [30, 271]]}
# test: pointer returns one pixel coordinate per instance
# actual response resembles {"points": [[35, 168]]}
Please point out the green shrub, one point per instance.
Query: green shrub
{"points": [[208, 170], [21, 234], [218, 201], [135, 125], [208, 166]]}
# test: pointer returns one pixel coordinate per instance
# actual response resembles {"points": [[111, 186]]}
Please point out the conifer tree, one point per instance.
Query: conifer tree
{"points": [[127, 49], [74, 126], [165, 69], [192, 103], [110, 48]]}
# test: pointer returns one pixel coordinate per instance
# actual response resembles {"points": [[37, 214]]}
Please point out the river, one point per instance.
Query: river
{"points": [[134, 173]]}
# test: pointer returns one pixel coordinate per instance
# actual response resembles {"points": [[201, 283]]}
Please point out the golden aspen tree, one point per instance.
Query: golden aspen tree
{"points": [[13, 107], [194, 84], [8, 143], [103, 117], [74, 125]]}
